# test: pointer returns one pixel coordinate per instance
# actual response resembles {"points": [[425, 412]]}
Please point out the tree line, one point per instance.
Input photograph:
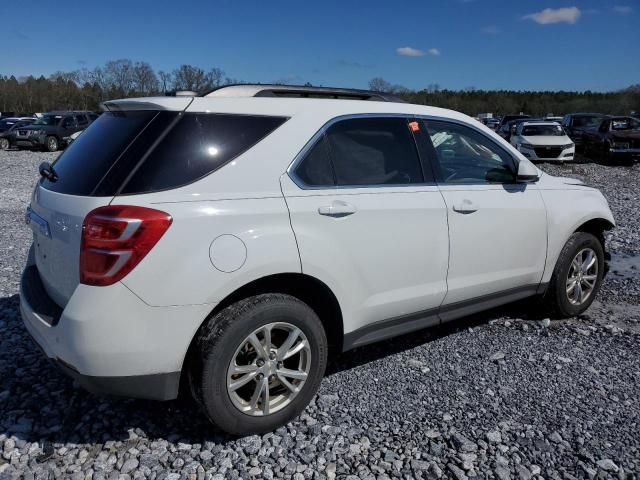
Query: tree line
{"points": [[86, 89]]}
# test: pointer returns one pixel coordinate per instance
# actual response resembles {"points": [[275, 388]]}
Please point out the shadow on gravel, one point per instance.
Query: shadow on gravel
{"points": [[38, 403], [525, 309]]}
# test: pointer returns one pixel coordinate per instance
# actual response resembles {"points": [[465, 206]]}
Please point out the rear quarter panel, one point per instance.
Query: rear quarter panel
{"points": [[179, 269]]}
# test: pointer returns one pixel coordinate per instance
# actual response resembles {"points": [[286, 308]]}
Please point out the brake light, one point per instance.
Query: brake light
{"points": [[115, 239]]}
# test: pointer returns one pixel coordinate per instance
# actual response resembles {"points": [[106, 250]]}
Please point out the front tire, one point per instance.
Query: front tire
{"points": [[577, 276], [4, 144], [258, 363]]}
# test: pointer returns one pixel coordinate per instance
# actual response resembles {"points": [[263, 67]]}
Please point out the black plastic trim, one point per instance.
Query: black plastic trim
{"points": [[159, 386], [34, 293], [393, 327]]}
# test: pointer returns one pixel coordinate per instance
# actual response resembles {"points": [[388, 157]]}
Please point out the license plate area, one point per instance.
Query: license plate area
{"points": [[38, 224]]}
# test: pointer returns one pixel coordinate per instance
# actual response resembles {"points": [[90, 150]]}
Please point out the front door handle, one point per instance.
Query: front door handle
{"points": [[465, 207], [337, 209]]}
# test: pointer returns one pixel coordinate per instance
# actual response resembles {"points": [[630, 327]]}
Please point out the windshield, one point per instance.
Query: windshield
{"points": [[48, 120], [625, 124], [546, 130], [586, 121]]}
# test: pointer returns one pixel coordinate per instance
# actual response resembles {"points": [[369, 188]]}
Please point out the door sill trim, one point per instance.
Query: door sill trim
{"points": [[400, 325]]}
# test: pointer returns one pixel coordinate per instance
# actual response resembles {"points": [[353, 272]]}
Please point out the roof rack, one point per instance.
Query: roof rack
{"points": [[299, 91]]}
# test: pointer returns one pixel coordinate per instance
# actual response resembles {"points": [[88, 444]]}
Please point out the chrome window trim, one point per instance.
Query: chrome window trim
{"points": [[408, 116]]}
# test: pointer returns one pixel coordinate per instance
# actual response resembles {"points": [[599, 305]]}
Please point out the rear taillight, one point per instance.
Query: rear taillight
{"points": [[115, 239]]}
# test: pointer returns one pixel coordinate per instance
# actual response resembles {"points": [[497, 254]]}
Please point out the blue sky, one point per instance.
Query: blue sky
{"points": [[491, 44]]}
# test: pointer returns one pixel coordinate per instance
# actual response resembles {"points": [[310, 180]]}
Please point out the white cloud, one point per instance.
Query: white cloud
{"points": [[555, 15], [491, 30], [410, 52], [623, 9], [433, 51]]}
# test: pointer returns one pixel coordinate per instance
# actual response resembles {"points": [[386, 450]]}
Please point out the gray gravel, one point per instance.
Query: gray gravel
{"points": [[501, 395]]}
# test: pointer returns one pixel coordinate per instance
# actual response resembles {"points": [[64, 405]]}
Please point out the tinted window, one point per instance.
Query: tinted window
{"points": [[374, 151], [48, 120], [68, 122], [584, 121], [196, 146], [82, 166], [316, 170], [81, 120], [466, 156]]}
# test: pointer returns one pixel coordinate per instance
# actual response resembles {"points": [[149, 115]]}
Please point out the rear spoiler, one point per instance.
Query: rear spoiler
{"points": [[176, 104]]}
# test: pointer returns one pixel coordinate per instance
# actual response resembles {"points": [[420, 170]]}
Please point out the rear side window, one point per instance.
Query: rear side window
{"points": [[88, 159], [196, 146], [363, 152], [316, 169]]}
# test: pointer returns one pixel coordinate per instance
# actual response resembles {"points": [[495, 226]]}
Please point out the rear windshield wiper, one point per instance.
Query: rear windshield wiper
{"points": [[47, 171]]}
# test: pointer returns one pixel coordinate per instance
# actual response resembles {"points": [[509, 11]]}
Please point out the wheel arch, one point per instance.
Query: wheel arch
{"points": [[596, 226], [306, 288]]}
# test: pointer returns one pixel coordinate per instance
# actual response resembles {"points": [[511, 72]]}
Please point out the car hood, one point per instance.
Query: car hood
{"points": [[547, 140], [626, 134]]}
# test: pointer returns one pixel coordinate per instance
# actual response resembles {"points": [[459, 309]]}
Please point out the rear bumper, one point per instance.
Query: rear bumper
{"points": [[111, 341]]}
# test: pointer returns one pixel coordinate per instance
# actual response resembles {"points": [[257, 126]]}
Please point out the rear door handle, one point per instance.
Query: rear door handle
{"points": [[337, 209], [465, 207]]}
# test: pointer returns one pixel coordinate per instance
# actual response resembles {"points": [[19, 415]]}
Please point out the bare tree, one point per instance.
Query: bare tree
{"points": [[189, 77], [145, 80], [120, 76], [166, 81], [215, 77], [379, 84]]}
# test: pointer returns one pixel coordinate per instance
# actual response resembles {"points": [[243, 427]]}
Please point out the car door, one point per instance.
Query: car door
{"points": [[497, 227], [370, 222]]}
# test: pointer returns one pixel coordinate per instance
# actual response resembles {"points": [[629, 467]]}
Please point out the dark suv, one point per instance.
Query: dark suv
{"points": [[49, 131], [576, 124], [10, 124]]}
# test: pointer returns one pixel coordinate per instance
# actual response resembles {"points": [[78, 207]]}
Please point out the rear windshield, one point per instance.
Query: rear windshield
{"points": [[88, 159], [145, 151]]}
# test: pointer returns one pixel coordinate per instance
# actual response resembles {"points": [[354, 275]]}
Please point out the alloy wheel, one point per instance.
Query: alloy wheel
{"points": [[268, 369], [582, 276]]}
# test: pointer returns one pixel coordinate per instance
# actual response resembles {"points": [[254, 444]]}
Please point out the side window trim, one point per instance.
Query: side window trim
{"points": [[438, 176], [321, 134]]}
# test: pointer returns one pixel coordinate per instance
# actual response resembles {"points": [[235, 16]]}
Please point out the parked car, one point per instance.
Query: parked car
{"points": [[615, 139], [504, 129], [8, 125], [511, 127], [543, 141], [492, 123], [232, 243], [575, 124], [48, 132]]}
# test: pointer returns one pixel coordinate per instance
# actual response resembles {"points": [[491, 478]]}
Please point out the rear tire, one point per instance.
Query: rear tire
{"points": [[225, 345], [577, 276], [52, 144], [4, 144]]}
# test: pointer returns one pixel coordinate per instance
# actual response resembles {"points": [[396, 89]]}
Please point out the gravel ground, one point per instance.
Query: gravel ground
{"points": [[500, 395]]}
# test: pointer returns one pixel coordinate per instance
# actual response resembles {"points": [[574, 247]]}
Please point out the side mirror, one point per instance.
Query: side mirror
{"points": [[527, 173]]}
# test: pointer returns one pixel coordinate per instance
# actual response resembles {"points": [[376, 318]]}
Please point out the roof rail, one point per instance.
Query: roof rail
{"points": [[299, 91]]}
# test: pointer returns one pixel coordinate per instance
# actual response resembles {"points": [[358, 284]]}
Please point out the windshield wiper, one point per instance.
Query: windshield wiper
{"points": [[47, 171]]}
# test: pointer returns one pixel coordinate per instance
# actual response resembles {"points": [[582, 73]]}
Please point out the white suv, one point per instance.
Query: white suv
{"points": [[232, 241]]}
